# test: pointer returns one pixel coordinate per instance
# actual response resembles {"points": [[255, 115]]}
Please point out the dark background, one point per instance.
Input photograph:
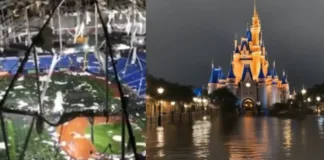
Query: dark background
{"points": [[184, 36]]}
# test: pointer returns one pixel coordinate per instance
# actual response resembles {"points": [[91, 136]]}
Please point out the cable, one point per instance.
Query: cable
{"points": [[4, 133], [67, 117], [13, 14], [3, 125], [20, 69], [123, 100], [38, 83], [27, 139], [25, 59]]}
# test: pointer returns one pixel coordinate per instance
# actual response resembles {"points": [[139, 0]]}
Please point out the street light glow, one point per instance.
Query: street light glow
{"points": [[160, 90], [195, 99], [172, 103], [318, 98], [303, 91], [205, 100], [309, 99]]}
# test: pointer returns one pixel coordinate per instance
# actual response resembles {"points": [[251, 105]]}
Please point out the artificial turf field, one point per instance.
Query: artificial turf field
{"points": [[78, 146], [92, 93], [104, 133], [85, 89]]}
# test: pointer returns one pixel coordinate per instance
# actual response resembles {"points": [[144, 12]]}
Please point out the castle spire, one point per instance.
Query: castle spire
{"points": [[255, 13], [261, 74], [235, 42], [212, 64], [284, 78], [274, 73]]}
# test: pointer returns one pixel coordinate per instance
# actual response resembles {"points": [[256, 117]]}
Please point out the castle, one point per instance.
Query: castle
{"points": [[250, 76]]}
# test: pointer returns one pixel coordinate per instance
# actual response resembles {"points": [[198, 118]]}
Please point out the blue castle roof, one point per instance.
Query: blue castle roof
{"points": [[284, 79], [269, 72], [248, 34], [198, 92], [246, 44], [237, 49], [261, 75], [231, 73], [247, 70], [274, 72], [215, 74], [222, 76]]}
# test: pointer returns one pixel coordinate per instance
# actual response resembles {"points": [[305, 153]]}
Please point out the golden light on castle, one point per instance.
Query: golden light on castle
{"points": [[250, 76]]}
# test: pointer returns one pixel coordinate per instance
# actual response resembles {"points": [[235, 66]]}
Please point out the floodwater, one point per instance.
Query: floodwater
{"points": [[246, 138]]}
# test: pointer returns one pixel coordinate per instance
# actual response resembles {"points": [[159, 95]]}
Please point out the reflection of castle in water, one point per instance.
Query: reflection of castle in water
{"points": [[253, 143], [250, 76]]}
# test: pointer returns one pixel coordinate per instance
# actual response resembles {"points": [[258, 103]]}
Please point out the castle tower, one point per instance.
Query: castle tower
{"points": [[274, 72], [284, 88], [222, 80], [262, 89], [213, 80], [256, 29], [231, 81], [251, 77], [274, 85]]}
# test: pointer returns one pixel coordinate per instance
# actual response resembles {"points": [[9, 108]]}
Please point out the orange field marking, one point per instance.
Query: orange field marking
{"points": [[76, 144]]}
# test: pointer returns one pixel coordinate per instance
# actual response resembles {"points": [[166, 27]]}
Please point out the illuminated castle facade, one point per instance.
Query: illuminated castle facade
{"points": [[250, 76]]}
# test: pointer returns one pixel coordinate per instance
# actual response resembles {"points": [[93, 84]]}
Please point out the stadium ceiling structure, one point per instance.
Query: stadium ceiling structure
{"points": [[46, 36]]}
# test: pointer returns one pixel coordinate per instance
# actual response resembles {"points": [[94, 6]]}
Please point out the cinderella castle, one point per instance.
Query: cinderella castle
{"points": [[251, 78]]}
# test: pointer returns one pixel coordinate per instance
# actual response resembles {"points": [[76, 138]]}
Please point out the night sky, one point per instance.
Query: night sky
{"points": [[184, 36]]}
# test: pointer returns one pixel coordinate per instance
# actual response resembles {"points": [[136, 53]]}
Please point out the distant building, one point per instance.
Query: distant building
{"points": [[250, 77]]}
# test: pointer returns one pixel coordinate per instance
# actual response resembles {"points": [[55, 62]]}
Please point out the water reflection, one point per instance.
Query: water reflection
{"points": [[320, 121], [287, 137], [200, 135], [252, 143], [160, 140], [238, 139]]}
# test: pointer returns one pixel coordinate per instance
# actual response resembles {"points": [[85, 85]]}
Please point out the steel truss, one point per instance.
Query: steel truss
{"points": [[124, 25]]}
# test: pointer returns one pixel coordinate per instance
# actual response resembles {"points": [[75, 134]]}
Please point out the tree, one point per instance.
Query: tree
{"points": [[225, 98], [172, 91]]}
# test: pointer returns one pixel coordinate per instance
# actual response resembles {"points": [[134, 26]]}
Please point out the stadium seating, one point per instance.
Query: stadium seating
{"points": [[130, 74]]}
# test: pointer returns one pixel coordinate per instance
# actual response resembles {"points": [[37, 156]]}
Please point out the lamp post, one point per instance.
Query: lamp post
{"points": [[195, 99], [160, 92], [290, 100], [172, 112], [309, 100], [303, 92], [205, 101], [318, 98]]}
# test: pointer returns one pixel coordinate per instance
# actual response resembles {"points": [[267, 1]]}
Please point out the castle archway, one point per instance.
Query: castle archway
{"points": [[248, 104]]}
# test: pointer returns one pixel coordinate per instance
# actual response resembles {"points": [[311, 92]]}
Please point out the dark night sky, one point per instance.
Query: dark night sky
{"points": [[184, 36]]}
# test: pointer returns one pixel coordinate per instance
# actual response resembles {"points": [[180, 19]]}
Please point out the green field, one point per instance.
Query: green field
{"points": [[76, 89], [91, 91], [104, 133], [17, 129]]}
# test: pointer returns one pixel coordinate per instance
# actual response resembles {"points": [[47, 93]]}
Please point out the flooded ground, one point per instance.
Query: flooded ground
{"points": [[248, 137]]}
